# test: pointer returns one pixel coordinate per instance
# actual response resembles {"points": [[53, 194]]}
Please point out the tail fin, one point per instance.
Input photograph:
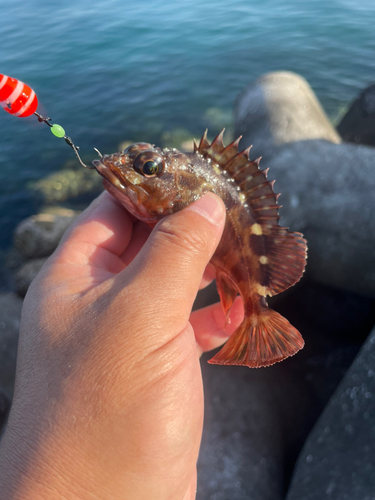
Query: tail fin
{"points": [[260, 340]]}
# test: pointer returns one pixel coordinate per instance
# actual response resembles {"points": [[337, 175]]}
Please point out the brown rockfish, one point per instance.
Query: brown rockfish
{"points": [[255, 257]]}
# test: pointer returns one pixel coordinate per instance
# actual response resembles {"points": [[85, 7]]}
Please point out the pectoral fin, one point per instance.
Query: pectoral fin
{"points": [[227, 292]]}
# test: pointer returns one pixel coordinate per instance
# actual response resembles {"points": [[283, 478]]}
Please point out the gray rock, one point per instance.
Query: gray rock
{"points": [[6, 277], [67, 184], [358, 124], [256, 421], [38, 235], [25, 275], [338, 460], [4, 410], [327, 187], [242, 446], [10, 316], [327, 193], [14, 259], [277, 109]]}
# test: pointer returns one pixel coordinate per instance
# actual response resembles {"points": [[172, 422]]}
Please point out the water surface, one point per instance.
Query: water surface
{"points": [[110, 70]]}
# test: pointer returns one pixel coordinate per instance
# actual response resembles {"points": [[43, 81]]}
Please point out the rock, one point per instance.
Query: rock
{"points": [[338, 459], [175, 138], [256, 421], [327, 193], [10, 316], [6, 277], [14, 259], [187, 146], [25, 275], [125, 144], [38, 235], [358, 124], [4, 409], [242, 448], [67, 184], [280, 108], [327, 187], [179, 138], [217, 118]]}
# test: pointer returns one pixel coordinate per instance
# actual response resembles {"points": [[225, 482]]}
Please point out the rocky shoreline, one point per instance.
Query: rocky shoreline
{"points": [[327, 180]]}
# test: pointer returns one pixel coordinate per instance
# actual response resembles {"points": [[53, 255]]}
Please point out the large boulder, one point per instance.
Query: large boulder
{"points": [[10, 317], [358, 124], [327, 193], [4, 410], [38, 235], [25, 275], [327, 187], [66, 184], [280, 108], [338, 459], [256, 421]]}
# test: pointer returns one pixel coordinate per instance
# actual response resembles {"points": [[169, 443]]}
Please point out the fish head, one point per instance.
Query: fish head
{"points": [[150, 182]]}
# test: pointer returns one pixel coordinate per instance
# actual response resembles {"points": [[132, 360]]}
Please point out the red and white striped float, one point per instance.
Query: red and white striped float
{"points": [[16, 97]]}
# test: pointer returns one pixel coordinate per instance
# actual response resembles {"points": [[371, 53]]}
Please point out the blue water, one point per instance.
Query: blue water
{"points": [[112, 70]]}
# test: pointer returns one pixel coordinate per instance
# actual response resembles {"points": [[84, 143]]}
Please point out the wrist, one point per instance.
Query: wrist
{"points": [[29, 469], [49, 466]]}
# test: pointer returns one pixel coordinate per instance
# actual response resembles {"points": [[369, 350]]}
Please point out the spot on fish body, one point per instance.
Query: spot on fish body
{"points": [[256, 229], [261, 290]]}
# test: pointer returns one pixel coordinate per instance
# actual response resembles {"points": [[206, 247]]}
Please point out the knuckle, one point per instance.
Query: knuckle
{"points": [[184, 237]]}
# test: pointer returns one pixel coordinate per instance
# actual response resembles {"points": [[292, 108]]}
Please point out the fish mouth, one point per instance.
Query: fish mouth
{"points": [[131, 195], [110, 176]]}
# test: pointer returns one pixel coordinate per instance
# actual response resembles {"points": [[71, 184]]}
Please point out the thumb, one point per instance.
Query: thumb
{"points": [[169, 268]]}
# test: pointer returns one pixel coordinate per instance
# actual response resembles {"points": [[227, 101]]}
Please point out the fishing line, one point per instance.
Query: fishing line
{"points": [[20, 100]]}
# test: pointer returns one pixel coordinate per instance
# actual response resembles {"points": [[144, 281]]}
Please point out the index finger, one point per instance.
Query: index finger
{"points": [[105, 224]]}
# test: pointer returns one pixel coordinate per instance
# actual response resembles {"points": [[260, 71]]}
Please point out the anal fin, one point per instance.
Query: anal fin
{"points": [[260, 340]]}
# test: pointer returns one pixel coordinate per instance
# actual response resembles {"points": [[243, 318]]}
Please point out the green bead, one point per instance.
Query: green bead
{"points": [[57, 130]]}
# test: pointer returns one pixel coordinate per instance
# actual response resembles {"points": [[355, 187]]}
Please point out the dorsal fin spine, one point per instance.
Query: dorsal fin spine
{"points": [[260, 198], [267, 207], [268, 217], [233, 144], [234, 159], [238, 173], [218, 141], [203, 143], [255, 174], [258, 187], [246, 152]]}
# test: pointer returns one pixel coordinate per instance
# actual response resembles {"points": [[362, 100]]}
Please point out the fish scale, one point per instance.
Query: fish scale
{"points": [[255, 257]]}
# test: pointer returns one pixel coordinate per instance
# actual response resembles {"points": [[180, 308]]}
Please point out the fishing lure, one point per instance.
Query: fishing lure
{"points": [[20, 100]]}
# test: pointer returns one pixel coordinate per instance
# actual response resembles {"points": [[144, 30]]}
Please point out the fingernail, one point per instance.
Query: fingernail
{"points": [[209, 206]]}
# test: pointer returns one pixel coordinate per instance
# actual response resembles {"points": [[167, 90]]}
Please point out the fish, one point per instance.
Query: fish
{"points": [[255, 258]]}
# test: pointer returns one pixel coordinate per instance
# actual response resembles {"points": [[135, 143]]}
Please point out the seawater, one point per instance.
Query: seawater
{"points": [[111, 70]]}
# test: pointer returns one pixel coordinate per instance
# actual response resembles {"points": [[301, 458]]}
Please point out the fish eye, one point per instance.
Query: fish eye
{"points": [[149, 164], [138, 147]]}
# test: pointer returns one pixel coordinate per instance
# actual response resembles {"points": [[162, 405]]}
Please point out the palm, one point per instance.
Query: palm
{"points": [[101, 247]]}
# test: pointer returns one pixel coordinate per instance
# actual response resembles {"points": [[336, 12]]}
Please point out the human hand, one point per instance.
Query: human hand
{"points": [[109, 400]]}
